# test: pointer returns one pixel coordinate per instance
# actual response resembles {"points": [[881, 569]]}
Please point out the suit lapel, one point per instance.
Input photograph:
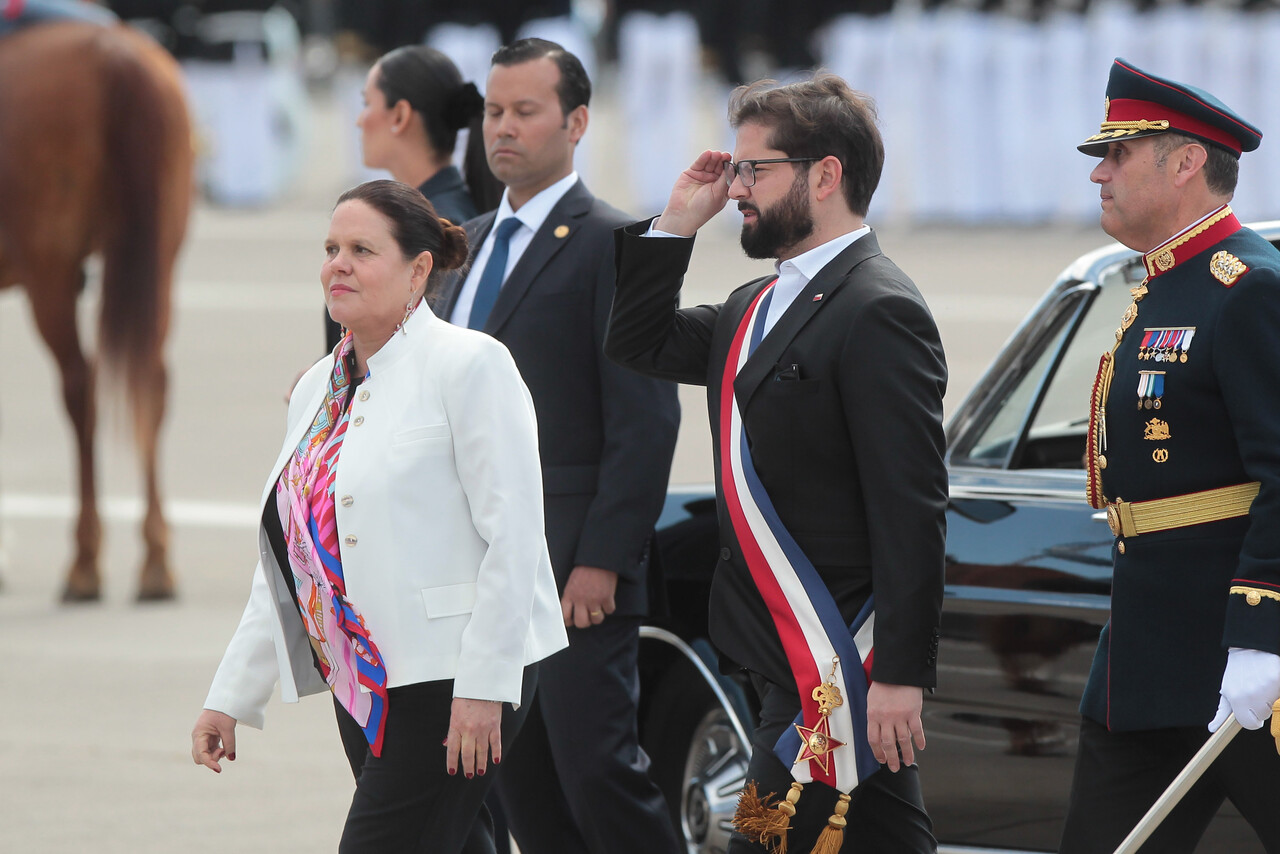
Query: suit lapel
{"points": [[557, 230], [294, 437], [443, 303], [809, 302]]}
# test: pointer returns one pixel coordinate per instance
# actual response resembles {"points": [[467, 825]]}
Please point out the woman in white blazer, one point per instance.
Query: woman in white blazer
{"points": [[403, 564]]}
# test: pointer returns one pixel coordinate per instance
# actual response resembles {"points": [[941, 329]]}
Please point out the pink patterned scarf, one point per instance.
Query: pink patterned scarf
{"points": [[348, 657]]}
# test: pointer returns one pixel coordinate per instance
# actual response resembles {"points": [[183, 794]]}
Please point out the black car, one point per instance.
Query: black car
{"points": [[1028, 590]]}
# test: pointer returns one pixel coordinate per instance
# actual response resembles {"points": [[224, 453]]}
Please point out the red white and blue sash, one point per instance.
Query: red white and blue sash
{"points": [[803, 610]]}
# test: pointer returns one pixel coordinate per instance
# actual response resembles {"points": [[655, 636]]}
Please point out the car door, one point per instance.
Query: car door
{"points": [[1028, 579]]}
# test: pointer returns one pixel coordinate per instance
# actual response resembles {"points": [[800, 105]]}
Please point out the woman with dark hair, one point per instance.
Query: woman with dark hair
{"points": [[402, 560], [415, 103]]}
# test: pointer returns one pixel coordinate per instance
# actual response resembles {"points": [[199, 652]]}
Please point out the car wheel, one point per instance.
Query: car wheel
{"points": [[714, 773]]}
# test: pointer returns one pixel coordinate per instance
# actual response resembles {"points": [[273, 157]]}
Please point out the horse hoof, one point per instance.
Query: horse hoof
{"points": [[157, 592], [81, 593]]}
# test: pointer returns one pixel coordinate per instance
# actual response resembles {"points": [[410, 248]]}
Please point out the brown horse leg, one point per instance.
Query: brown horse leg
{"points": [[156, 580], [56, 320]]}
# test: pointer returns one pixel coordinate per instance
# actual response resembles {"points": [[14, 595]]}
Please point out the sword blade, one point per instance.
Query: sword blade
{"points": [[1181, 784]]}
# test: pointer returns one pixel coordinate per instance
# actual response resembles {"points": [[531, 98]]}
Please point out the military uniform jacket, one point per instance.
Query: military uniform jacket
{"points": [[843, 409], [1194, 405]]}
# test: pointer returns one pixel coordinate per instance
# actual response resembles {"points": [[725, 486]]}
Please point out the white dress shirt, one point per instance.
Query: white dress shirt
{"points": [[794, 274], [531, 215]]}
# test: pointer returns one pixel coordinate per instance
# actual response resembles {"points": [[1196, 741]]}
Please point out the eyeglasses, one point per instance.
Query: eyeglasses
{"points": [[745, 170]]}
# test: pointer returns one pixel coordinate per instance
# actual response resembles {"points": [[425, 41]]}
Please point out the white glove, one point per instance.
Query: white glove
{"points": [[1250, 684]]}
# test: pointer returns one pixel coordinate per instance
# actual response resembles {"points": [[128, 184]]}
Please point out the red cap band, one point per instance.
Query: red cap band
{"points": [[1130, 110]]}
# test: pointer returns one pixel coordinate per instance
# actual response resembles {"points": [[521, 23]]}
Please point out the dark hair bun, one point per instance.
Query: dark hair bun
{"points": [[453, 248], [463, 105]]}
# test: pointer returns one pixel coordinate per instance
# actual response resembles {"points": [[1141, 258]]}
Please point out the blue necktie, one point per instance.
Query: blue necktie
{"points": [[494, 269]]}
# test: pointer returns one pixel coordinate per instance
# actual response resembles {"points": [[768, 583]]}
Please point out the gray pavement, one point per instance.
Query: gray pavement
{"points": [[99, 699]]}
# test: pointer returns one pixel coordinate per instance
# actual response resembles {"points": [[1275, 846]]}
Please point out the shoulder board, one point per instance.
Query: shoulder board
{"points": [[1227, 268]]}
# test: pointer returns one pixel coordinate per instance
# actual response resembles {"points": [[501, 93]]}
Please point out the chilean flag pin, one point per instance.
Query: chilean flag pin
{"points": [[817, 297]]}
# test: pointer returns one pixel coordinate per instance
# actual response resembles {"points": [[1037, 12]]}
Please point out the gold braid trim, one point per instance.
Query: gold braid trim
{"points": [[1149, 258], [1254, 595], [1112, 130], [1140, 124]]}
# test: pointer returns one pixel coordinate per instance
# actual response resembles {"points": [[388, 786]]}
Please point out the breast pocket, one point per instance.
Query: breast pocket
{"points": [[420, 434], [785, 388]]}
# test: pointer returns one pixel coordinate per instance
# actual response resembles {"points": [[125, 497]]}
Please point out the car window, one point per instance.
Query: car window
{"points": [[1059, 429], [995, 436], [996, 441]]}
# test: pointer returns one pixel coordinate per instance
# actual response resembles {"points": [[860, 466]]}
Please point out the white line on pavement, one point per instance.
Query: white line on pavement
{"points": [[196, 514]]}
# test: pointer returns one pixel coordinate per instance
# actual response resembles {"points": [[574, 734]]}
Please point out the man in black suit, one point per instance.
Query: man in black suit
{"points": [[840, 407], [542, 282]]}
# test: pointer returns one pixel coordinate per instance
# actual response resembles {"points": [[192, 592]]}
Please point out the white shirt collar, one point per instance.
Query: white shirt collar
{"points": [[794, 274], [808, 264], [535, 211]]}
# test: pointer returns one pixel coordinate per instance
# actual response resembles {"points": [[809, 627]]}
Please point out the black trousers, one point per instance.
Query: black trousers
{"points": [[577, 781], [1119, 775], [405, 801], [886, 811]]}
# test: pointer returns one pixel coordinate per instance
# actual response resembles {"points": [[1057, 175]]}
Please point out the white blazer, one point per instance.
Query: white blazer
{"points": [[439, 510]]}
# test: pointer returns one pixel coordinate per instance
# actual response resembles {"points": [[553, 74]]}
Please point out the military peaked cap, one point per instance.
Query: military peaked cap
{"points": [[1140, 104]]}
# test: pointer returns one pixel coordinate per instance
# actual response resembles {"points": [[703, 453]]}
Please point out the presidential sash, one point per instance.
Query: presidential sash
{"points": [[830, 660]]}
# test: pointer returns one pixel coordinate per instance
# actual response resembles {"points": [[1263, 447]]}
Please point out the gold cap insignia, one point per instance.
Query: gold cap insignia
{"points": [[1226, 268], [561, 231]]}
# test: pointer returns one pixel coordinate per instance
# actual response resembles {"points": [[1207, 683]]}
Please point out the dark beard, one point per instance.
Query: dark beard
{"points": [[784, 225]]}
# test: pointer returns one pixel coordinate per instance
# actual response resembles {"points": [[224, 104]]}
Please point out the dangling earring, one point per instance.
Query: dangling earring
{"points": [[408, 310]]}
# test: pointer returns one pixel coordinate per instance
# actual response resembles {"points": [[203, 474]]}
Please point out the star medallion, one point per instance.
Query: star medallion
{"points": [[816, 744]]}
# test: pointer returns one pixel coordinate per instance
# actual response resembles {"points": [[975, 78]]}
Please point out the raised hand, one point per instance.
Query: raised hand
{"points": [[699, 194]]}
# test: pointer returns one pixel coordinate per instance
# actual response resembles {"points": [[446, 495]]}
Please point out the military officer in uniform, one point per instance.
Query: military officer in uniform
{"points": [[1184, 455]]}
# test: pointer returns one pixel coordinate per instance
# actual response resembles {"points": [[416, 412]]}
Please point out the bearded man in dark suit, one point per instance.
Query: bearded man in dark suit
{"points": [[541, 282], [824, 384]]}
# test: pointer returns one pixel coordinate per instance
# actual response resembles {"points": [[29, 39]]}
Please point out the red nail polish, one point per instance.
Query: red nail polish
{"points": [[445, 742], [480, 772], [469, 776], [453, 771]]}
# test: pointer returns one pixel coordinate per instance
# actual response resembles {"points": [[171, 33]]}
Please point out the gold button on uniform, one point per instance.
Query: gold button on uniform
{"points": [[347, 501], [1120, 546], [359, 420], [349, 540], [364, 395], [1253, 597]]}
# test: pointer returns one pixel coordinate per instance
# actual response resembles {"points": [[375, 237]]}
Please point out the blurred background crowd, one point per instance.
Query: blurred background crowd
{"points": [[981, 101]]}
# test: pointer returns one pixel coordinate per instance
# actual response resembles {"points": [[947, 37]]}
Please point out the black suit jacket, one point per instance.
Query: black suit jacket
{"points": [[605, 435], [843, 411]]}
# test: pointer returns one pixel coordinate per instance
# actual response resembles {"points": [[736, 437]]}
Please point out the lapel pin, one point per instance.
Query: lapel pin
{"points": [[817, 297], [562, 231]]}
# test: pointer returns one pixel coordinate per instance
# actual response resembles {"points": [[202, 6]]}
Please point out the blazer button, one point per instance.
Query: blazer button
{"points": [[347, 501], [349, 540], [359, 420], [364, 395], [725, 554]]}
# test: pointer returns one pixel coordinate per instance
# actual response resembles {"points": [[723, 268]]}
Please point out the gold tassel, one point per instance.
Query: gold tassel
{"points": [[761, 820], [832, 836]]}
